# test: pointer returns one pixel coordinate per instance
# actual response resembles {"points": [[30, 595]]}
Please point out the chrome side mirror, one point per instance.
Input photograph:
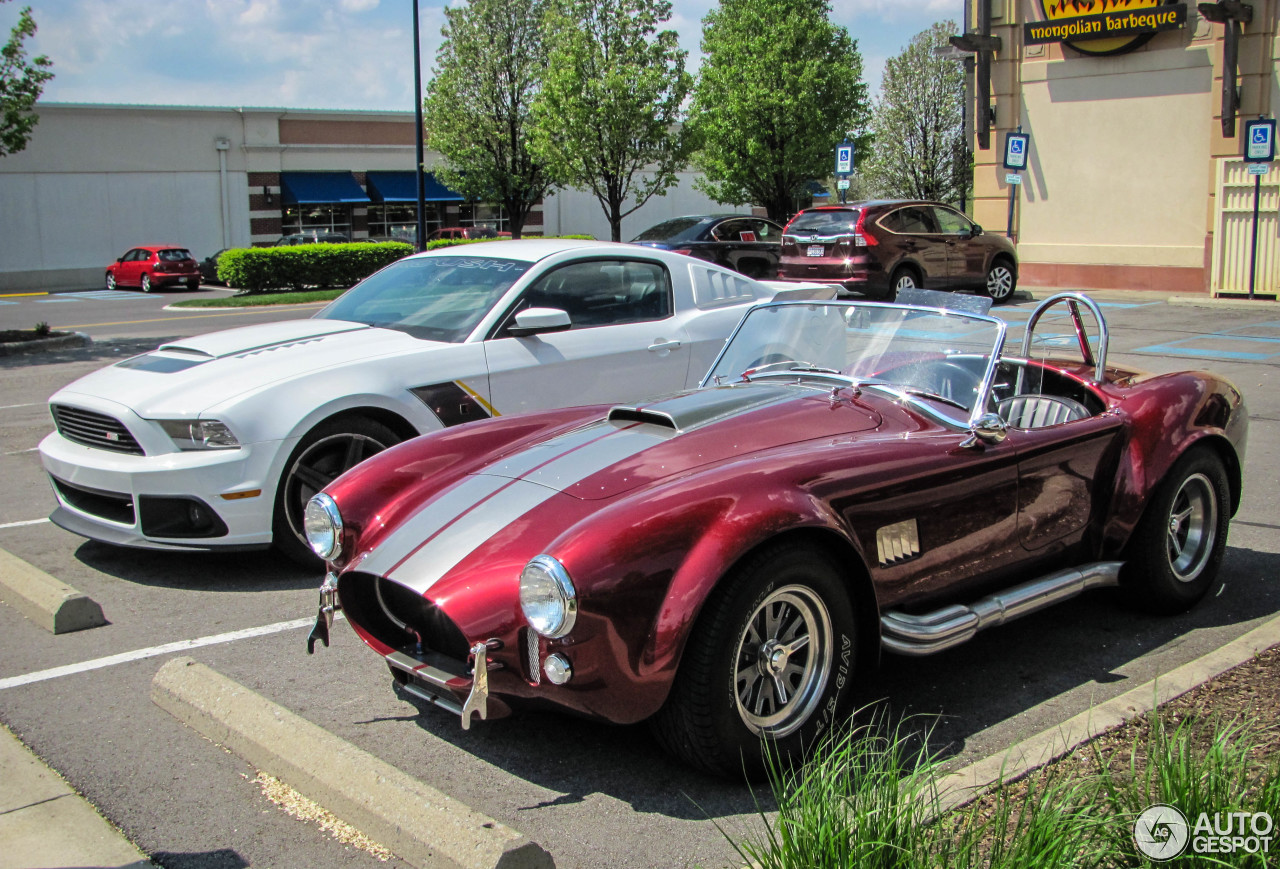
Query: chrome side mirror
{"points": [[990, 428]]}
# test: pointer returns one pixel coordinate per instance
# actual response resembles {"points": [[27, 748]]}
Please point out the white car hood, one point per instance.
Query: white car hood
{"points": [[184, 378]]}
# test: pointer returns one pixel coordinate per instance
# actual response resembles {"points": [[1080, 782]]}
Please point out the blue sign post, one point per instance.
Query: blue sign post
{"points": [[844, 167], [1016, 147], [1259, 151]]}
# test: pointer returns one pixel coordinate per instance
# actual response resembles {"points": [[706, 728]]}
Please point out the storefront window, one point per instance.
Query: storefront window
{"points": [[479, 214], [318, 217], [400, 219]]}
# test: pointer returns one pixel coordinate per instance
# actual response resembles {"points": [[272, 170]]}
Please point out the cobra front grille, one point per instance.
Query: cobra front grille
{"points": [[94, 430]]}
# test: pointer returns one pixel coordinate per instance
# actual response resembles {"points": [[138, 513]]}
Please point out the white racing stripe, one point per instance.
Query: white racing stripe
{"points": [[24, 523], [472, 525], [154, 651]]}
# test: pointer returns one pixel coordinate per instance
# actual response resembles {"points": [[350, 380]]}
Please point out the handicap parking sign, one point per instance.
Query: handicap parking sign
{"points": [[1260, 141], [844, 159], [1015, 150]]}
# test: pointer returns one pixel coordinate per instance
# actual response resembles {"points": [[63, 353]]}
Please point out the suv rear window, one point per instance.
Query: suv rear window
{"points": [[825, 222], [174, 255]]}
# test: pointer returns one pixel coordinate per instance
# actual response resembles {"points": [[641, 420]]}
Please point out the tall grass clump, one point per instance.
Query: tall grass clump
{"points": [[863, 798], [1198, 766]]}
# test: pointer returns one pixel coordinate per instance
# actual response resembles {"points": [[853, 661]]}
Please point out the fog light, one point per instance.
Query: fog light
{"points": [[557, 668]]}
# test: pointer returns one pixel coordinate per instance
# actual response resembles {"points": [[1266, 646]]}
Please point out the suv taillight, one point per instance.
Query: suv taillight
{"points": [[861, 237]]}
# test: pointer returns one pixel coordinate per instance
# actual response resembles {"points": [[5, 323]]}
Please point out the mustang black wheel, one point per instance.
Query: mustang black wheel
{"points": [[771, 658], [1176, 550], [1001, 281], [320, 457]]}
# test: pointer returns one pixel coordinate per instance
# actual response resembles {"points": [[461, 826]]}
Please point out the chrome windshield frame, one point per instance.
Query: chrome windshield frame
{"points": [[887, 389]]}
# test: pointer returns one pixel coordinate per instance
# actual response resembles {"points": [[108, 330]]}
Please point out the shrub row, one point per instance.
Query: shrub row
{"points": [[261, 269], [297, 267]]}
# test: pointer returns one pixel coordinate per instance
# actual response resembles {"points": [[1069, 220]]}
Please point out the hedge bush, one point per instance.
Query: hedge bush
{"points": [[262, 269], [302, 266]]}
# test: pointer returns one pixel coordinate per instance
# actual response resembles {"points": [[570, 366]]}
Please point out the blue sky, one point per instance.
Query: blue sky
{"points": [[322, 54]]}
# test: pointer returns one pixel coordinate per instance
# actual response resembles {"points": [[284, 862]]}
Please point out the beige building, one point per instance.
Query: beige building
{"points": [[1131, 182]]}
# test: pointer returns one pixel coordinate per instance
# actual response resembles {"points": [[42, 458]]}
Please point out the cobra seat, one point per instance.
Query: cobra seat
{"points": [[1039, 411]]}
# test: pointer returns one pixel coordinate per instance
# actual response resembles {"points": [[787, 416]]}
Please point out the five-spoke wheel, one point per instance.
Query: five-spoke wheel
{"points": [[1173, 558], [771, 659], [320, 457]]}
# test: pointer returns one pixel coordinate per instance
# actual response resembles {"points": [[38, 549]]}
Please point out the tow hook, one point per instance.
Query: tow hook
{"points": [[478, 698], [324, 618]]}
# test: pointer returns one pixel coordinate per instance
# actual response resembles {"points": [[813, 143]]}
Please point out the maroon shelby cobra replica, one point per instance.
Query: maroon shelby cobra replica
{"points": [[850, 477]]}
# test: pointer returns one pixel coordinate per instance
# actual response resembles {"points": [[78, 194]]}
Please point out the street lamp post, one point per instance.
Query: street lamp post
{"points": [[421, 237]]}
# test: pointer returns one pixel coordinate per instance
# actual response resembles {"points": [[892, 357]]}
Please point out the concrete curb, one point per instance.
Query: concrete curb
{"points": [[43, 822], [417, 822], [965, 785], [59, 342], [53, 605]]}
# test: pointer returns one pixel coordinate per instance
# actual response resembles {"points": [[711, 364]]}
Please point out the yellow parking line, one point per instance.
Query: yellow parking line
{"points": [[242, 312], [15, 295]]}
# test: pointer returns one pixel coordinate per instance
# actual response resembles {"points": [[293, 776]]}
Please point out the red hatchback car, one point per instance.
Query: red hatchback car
{"points": [[878, 247], [154, 265]]}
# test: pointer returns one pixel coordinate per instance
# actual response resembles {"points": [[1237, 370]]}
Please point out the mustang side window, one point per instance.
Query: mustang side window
{"points": [[605, 292]]}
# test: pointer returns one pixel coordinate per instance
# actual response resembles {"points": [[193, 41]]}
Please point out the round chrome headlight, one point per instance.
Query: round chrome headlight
{"points": [[323, 525], [547, 597]]}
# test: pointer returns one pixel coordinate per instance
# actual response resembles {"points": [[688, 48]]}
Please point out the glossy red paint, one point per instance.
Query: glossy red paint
{"points": [[647, 537]]}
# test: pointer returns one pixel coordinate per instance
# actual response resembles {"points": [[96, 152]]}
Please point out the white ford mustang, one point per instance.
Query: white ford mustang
{"points": [[219, 440]]}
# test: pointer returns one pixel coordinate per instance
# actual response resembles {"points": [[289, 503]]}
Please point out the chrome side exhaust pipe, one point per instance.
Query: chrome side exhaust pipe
{"points": [[919, 635]]}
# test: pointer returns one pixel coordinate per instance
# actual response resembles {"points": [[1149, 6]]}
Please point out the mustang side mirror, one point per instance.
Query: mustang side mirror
{"points": [[532, 321], [989, 429]]}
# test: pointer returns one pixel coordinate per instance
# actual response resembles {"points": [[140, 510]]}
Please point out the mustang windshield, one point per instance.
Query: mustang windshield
{"points": [[941, 357], [436, 298]]}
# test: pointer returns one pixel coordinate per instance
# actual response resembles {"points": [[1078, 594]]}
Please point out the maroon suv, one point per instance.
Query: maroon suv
{"points": [[878, 247]]}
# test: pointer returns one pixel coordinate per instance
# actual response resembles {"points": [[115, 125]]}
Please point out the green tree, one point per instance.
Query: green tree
{"points": [[779, 88], [477, 112], [21, 83], [609, 112], [920, 150]]}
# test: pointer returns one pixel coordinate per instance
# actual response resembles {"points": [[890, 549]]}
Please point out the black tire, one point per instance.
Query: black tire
{"points": [[904, 278], [146, 283], [1001, 280], [321, 456], [1173, 558], [725, 699], [111, 281]]}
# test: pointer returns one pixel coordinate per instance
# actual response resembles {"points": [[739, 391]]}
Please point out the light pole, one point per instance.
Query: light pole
{"points": [[417, 138]]}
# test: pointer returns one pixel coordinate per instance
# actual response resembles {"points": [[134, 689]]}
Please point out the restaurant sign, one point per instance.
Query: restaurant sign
{"points": [[1104, 27]]}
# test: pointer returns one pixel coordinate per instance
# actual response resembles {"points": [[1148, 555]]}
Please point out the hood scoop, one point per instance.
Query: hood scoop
{"points": [[255, 339], [693, 410]]}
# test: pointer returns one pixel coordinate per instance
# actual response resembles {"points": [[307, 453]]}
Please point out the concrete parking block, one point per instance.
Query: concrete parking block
{"points": [[53, 605], [417, 822]]}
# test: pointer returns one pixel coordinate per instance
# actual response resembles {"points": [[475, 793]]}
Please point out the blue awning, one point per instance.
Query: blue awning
{"points": [[307, 188], [816, 190], [403, 187]]}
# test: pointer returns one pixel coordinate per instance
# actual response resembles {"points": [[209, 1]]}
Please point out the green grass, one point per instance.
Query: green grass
{"points": [[257, 299], [866, 797]]}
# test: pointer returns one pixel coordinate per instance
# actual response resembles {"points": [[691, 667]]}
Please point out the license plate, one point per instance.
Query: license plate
{"points": [[182, 280], [815, 250]]}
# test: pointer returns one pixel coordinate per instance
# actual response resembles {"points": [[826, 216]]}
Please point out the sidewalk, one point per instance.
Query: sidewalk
{"points": [[44, 824]]}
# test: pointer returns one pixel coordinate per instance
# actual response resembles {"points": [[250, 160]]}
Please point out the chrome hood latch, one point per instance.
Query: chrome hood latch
{"points": [[324, 618]]}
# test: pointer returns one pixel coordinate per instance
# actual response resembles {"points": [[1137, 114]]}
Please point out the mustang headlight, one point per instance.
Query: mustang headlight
{"points": [[548, 597], [323, 524], [199, 434]]}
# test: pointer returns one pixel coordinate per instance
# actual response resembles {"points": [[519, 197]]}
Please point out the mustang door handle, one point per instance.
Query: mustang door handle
{"points": [[664, 344]]}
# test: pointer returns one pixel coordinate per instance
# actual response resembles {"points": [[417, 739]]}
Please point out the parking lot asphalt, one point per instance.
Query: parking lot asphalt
{"points": [[591, 795]]}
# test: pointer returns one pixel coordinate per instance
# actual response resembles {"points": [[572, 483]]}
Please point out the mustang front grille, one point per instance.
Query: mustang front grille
{"points": [[94, 430]]}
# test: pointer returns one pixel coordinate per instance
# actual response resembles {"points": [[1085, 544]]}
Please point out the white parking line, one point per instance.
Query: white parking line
{"points": [[154, 651], [12, 406], [24, 522]]}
